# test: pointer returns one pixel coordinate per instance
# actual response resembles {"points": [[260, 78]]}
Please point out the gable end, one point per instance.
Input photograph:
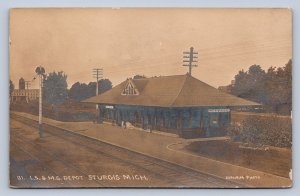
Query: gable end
{"points": [[130, 89]]}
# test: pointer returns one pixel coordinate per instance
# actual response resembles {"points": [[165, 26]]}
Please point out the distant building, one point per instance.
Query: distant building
{"points": [[179, 104], [24, 95], [22, 84]]}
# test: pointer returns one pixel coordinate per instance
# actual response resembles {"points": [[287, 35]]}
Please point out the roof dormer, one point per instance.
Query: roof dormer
{"points": [[130, 88]]}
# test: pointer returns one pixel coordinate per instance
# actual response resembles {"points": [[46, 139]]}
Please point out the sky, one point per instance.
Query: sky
{"points": [[125, 42]]}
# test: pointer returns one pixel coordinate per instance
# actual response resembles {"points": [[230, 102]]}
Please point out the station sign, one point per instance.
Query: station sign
{"points": [[109, 107], [219, 110]]}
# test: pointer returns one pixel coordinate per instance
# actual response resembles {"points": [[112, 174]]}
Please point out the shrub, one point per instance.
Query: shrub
{"points": [[256, 130]]}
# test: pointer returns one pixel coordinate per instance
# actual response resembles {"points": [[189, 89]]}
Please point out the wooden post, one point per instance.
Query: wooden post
{"points": [[40, 106]]}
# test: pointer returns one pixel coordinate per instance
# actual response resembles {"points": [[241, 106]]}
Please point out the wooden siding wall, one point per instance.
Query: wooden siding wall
{"points": [[186, 122]]}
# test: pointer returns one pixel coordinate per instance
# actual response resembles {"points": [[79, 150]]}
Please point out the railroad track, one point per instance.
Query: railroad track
{"points": [[173, 175]]}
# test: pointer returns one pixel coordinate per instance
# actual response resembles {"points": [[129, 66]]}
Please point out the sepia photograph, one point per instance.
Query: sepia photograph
{"points": [[150, 98]]}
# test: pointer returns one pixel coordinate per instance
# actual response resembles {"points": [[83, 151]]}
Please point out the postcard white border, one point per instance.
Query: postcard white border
{"points": [[5, 5]]}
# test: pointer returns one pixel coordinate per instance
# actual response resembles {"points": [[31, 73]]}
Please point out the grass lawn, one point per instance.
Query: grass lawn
{"points": [[273, 160]]}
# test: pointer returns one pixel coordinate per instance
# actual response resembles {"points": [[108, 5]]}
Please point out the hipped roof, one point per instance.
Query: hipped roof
{"points": [[170, 91]]}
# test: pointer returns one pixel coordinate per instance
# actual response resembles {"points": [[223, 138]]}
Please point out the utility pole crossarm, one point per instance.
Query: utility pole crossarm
{"points": [[190, 59]]}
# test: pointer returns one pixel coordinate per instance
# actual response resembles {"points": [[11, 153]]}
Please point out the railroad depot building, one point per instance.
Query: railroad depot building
{"points": [[179, 104]]}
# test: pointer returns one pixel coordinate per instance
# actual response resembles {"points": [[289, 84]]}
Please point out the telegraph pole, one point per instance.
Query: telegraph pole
{"points": [[189, 58], [97, 74], [41, 73]]}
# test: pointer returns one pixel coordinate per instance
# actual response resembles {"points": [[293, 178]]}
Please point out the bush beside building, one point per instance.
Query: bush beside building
{"points": [[257, 131]]}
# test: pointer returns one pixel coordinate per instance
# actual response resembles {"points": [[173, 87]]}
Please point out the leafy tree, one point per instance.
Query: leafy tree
{"points": [[278, 88], [288, 84], [272, 88], [80, 91], [55, 88], [238, 88], [250, 84], [139, 76], [104, 85], [11, 87]]}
